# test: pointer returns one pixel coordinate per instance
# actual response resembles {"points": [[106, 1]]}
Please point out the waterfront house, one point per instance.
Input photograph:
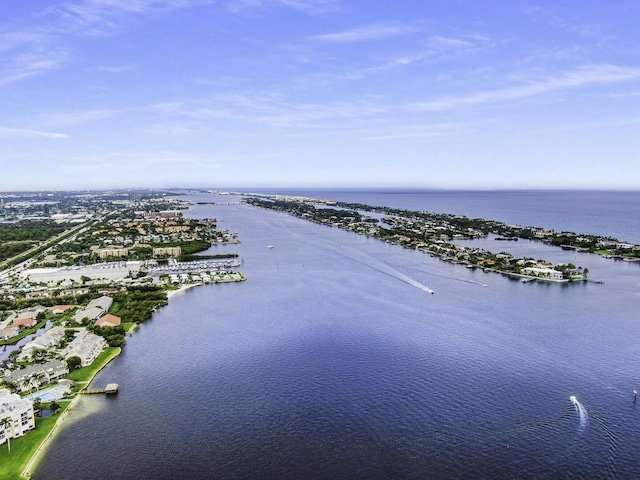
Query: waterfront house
{"points": [[24, 323], [6, 333], [543, 272]]}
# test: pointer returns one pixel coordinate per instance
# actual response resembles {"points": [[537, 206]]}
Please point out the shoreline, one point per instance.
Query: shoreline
{"points": [[33, 461], [28, 470], [181, 290]]}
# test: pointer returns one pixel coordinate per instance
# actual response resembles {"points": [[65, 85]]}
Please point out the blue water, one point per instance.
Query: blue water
{"points": [[328, 362]]}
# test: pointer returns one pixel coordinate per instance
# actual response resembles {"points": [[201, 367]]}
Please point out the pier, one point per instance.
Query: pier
{"points": [[111, 388]]}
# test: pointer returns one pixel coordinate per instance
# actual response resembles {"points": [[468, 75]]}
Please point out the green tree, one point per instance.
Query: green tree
{"points": [[54, 407], [26, 384], [38, 355], [74, 363]]}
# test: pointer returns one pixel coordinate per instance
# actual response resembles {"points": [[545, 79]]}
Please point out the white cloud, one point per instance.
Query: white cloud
{"points": [[76, 117], [309, 7], [430, 131], [29, 64], [21, 132], [369, 32], [100, 17], [582, 77], [117, 69]]}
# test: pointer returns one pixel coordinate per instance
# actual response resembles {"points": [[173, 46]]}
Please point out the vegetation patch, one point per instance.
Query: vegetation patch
{"points": [[137, 304]]}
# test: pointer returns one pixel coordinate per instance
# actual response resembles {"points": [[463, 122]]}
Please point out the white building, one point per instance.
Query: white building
{"points": [[86, 346], [96, 308], [19, 411], [105, 271], [46, 341], [37, 375], [542, 272]]}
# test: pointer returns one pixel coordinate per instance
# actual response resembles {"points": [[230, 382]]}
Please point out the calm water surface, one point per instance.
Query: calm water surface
{"points": [[329, 363]]}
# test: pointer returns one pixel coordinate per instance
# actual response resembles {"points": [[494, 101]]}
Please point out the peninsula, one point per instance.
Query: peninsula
{"points": [[437, 234]]}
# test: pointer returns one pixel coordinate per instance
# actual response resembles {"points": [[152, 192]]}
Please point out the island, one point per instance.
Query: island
{"points": [[439, 234]]}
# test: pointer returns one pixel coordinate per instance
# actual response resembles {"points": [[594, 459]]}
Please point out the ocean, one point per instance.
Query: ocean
{"points": [[329, 363]]}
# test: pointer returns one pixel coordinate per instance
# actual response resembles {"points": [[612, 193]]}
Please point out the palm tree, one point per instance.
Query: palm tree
{"points": [[5, 423], [37, 405], [25, 384]]}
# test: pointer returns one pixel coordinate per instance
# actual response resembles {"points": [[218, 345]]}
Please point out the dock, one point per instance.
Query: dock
{"points": [[110, 389]]}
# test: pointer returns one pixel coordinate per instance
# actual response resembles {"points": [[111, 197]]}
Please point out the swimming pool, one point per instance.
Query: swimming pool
{"points": [[48, 394]]}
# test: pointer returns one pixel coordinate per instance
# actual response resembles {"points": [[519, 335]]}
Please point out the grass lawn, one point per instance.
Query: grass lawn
{"points": [[85, 374], [22, 449], [128, 326]]}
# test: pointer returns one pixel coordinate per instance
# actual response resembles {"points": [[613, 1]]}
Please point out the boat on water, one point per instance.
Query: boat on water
{"points": [[269, 246]]}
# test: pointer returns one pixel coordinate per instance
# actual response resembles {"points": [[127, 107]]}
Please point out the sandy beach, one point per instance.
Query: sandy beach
{"points": [[181, 290]]}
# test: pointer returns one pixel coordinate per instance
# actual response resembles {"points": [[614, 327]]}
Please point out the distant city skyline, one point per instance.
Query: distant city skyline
{"points": [[437, 94]]}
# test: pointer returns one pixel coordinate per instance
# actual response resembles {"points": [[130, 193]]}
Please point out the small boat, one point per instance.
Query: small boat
{"points": [[269, 246]]}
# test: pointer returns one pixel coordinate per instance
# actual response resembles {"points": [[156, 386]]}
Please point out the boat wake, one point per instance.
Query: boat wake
{"points": [[581, 411], [380, 266], [448, 276]]}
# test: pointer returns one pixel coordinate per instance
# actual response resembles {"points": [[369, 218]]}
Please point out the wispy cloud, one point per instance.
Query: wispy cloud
{"points": [[266, 109], [29, 64], [561, 18], [432, 49], [310, 7], [365, 33], [43, 44], [625, 95], [146, 161], [74, 118], [582, 77], [100, 17], [21, 132], [117, 69], [420, 132], [36, 47]]}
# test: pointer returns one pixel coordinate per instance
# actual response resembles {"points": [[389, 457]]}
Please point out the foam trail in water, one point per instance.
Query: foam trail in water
{"points": [[582, 412], [448, 275], [379, 265], [389, 270]]}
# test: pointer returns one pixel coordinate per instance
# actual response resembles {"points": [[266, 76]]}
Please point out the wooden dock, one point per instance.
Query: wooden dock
{"points": [[109, 389]]}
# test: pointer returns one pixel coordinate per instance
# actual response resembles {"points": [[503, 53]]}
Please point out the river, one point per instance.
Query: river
{"points": [[329, 363]]}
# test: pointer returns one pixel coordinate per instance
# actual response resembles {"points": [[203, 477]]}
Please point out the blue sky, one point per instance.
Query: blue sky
{"points": [[306, 93]]}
